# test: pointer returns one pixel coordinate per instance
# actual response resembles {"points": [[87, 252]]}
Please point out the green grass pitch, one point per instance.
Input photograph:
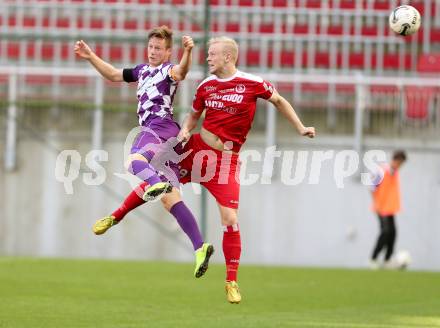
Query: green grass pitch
{"points": [[123, 294]]}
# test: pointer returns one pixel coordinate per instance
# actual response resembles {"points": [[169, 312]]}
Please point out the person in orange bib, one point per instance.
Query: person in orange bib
{"points": [[386, 203]]}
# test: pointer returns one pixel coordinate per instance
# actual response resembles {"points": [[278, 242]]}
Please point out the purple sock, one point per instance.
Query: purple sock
{"points": [[144, 171], [188, 223]]}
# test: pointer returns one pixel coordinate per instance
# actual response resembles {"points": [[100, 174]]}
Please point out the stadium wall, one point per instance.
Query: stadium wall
{"points": [[306, 225]]}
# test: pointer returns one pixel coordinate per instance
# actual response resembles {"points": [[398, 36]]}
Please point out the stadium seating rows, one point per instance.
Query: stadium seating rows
{"points": [[253, 56], [95, 23], [342, 4], [51, 18]]}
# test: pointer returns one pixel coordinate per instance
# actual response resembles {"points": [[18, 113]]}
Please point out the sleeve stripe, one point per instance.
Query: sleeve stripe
{"points": [[127, 74]]}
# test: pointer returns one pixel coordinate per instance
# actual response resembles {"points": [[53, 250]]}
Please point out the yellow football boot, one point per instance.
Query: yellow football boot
{"points": [[202, 259], [102, 225], [232, 292]]}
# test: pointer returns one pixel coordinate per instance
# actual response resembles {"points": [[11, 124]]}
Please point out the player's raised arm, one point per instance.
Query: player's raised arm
{"points": [[287, 110], [178, 72], [104, 68]]}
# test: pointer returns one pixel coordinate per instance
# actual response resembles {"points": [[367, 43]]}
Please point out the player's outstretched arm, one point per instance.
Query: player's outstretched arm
{"points": [[104, 68], [287, 110], [178, 72], [189, 124]]}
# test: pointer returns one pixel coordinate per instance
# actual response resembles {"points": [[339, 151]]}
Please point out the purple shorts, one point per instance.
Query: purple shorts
{"points": [[157, 142]]}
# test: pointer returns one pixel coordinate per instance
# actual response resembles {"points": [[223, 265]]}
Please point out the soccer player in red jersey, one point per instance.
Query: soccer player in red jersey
{"points": [[229, 99]]}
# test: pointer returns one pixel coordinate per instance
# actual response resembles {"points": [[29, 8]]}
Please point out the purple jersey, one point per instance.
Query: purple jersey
{"points": [[155, 92]]}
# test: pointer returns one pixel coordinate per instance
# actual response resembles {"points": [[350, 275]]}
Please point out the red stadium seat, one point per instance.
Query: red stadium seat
{"points": [[429, 63], [382, 5], [30, 50], [356, 61], [287, 58], [12, 21], [63, 22], [253, 57], [47, 51], [66, 49], [285, 87], [97, 23], [233, 27], [267, 28], [335, 30], [130, 25], [346, 88], [348, 4], [301, 29], [314, 87], [73, 80], [322, 60], [38, 79], [391, 61], [246, 3], [115, 53], [13, 50], [370, 30], [29, 21], [279, 3], [45, 22], [435, 35], [418, 102], [313, 4], [384, 89]]}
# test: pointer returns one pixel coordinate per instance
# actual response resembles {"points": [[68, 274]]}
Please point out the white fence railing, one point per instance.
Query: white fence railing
{"points": [[367, 101]]}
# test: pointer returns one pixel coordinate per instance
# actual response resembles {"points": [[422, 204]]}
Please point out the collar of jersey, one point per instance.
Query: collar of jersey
{"points": [[157, 67], [228, 78]]}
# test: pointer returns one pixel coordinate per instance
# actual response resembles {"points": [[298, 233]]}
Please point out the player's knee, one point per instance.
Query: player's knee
{"points": [[131, 158], [229, 219], [170, 199]]}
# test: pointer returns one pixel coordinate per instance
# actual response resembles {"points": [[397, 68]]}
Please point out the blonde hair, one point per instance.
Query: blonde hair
{"points": [[229, 46], [162, 32]]}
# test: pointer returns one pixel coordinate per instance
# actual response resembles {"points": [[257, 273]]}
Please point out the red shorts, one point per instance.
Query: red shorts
{"points": [[217, 171]]}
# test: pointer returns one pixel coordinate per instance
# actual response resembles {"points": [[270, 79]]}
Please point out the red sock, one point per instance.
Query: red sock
{"points": [[231, 250], [133, 200]]}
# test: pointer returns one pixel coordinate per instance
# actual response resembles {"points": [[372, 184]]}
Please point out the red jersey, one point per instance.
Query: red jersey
{"points": [[230, 105]]}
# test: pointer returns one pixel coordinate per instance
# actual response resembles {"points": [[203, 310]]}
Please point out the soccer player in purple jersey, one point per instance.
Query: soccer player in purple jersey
{"points": [[157, 83]]}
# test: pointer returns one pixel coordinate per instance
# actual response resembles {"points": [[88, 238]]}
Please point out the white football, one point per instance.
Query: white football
{"points": [[405, 20], [403, 259]]}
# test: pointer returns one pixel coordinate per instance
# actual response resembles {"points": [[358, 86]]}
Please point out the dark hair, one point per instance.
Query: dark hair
{"points": [[399, 155], [162, 32]]}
